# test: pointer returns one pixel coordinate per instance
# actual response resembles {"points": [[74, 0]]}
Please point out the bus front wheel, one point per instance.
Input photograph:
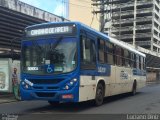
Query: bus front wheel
{"points": [[99, 95]]}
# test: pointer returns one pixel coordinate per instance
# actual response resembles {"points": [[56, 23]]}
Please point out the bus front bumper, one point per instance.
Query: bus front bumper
{"points": [[61, 95]]}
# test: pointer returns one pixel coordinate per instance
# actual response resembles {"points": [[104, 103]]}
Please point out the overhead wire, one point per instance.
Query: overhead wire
{"points": [[85, 1], [75, 4], [89, 7]]}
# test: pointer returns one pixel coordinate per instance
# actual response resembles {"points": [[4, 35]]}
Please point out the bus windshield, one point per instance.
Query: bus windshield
{"points": [[49, 56]]}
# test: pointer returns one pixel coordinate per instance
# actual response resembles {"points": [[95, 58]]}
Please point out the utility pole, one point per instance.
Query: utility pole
{"points": [[120, 21], [102, 23], [103, 11], [134, 23]]}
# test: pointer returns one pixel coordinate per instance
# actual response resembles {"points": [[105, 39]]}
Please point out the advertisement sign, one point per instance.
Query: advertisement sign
{"points": [[2, 80], [4, 75], [10, 76]]}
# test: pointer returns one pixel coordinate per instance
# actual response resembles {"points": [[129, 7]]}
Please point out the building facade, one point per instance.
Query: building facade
{"points": [[82, 11], [135, 21], [14, 17]]}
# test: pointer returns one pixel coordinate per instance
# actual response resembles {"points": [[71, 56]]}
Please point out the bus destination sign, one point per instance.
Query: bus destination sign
{"points": [[50, 31]]}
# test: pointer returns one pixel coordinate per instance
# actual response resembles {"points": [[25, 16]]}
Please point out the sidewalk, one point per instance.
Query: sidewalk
{"points": [[7, 98], [153, 82]]}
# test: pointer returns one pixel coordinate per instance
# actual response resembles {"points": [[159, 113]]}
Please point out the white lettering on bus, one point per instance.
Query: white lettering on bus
{"points": [[32, 68], [101, 69], [124, 75], [50, 31]]}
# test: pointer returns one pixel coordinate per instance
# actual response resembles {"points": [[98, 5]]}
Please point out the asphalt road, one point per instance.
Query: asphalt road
{"points": [[146, 101]]}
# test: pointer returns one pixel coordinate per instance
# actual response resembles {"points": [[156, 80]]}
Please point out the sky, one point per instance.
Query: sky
{"points": [[52, 6]]}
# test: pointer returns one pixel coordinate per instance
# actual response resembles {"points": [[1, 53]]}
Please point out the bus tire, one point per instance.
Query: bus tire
{"points": [[134, 88], [53, 103], [99, 94]]}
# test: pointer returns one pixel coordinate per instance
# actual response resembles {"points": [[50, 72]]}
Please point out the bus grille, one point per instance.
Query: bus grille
{"points": [[42, 94], [48, 88], [45, 81]]}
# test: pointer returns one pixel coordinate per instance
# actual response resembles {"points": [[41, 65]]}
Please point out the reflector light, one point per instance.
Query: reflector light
{"points": [[67, 96]]}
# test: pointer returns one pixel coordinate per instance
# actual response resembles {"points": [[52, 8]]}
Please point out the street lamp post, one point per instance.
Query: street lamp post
{"points": [[12, 42], [12, 45]]}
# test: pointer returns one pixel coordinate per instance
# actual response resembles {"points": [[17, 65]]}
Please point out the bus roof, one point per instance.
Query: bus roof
{"points": [[99, 34]]}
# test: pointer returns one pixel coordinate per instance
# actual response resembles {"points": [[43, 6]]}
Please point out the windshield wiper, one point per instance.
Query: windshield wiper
{"points": [[36, 45], [52, 48], [54, 54]]}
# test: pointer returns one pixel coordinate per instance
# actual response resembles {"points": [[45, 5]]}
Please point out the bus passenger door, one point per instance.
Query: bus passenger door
{"points": [[87, 89]]}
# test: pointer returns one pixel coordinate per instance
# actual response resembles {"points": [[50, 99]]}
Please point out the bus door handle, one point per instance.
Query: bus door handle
{"points": [[93, 77]]}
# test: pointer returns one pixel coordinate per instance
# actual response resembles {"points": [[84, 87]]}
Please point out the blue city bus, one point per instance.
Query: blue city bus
{"points": [[71, 62]]}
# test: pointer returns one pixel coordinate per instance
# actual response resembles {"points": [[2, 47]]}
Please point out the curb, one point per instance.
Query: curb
{"points": [[154, 82], [8, 100], [6, 95]]}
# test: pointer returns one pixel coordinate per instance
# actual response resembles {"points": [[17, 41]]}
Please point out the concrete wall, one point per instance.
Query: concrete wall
{"points": [[82, 11], [30, 10], [151, 76]]}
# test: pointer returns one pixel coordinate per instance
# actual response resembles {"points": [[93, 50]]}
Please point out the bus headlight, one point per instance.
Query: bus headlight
{"points": [[75, 79], [70, 84], [23, 83], [66, 87], [27, 84]]}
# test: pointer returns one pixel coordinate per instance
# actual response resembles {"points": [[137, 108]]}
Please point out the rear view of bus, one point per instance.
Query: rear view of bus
{"points": [[49, 63]]}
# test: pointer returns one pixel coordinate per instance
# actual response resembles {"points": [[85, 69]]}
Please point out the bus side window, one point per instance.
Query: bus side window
{"points": [[132, 60], [118, 54], [144, 64], [88, 53], [126, 58], [140, 62], [101, 56], [137, 62], [110, 53]]}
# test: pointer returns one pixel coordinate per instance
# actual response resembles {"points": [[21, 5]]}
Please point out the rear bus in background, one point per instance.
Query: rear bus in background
{"points": [[70, 62]]}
